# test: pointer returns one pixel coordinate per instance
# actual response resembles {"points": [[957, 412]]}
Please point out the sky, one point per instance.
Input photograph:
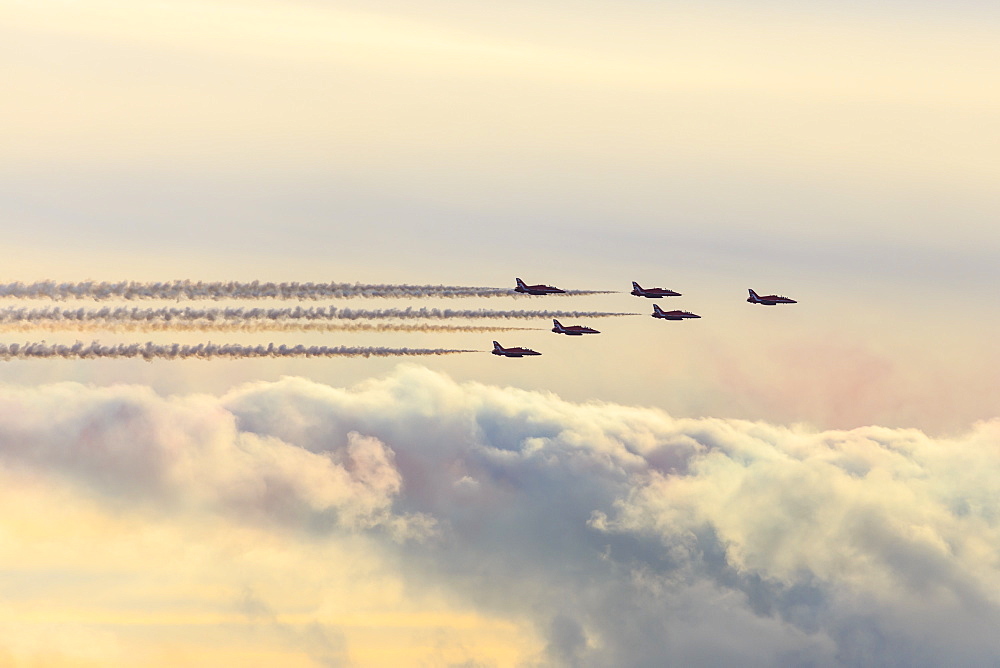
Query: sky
{"points": [[808, 484]]}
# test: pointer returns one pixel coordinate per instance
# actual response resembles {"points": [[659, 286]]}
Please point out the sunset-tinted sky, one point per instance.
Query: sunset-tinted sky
{"points": [[806, 484]]}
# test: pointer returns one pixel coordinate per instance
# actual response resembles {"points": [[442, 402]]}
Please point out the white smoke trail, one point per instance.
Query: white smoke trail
{"points": [[244, 326], [178, 290], [150, 351], [215, 314]]}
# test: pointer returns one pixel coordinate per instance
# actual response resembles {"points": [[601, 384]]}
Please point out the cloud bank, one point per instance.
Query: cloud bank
{"points": [[610, 535]]}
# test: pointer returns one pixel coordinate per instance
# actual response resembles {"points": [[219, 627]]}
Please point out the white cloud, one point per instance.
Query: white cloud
{"points": [[131, 445], [621, 535]]}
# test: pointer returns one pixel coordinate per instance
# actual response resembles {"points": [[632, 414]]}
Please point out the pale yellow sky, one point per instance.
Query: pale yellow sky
{"points": [[842, 154], [126, 587], [827, 152], [193, 84]]}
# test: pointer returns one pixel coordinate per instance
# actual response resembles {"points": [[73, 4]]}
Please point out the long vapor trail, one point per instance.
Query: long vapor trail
{"points": [[243, 326], [150, 351], [178, 290], [239, 313]]}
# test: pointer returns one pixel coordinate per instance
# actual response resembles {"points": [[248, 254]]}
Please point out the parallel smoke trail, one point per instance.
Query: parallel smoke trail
{"points": [[243, 326], [150, 351], [178, 290], [215, 314]]}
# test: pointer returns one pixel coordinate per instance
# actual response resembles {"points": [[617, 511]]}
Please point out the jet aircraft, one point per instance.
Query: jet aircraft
{"points": [[572, 330], [671, 315], [512, 352], [769, 300], [652, 293], [536, 289]]}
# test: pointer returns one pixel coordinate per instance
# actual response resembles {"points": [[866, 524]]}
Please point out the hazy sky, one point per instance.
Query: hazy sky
{"points": [[793, 485]]}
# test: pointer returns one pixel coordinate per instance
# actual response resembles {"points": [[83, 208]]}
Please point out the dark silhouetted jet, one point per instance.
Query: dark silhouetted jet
{"points": [[769, 300], [512, 352], [652, 293], [536, 289], [672, 315], [572, 330]]}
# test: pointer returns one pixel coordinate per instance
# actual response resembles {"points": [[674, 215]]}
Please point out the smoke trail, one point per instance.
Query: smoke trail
{"points": [[215, 314], [245, 326], [178, 290], [150, 351]]}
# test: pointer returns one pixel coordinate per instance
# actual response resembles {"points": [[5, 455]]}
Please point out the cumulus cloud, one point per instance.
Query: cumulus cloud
{"points": [[798, 546], [132, 446], [620, 535]]}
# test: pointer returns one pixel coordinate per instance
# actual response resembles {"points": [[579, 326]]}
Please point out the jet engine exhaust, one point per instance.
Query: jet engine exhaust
{"points": [[297, 313], [271, 326], [185, 289], [204, 351]]}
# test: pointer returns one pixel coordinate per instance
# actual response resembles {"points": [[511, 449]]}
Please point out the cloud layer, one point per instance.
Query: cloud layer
{"points": [[609, 535]]}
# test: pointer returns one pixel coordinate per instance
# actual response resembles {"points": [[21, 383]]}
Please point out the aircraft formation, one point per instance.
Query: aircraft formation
{"points": [[638, 291], [282, 318]]}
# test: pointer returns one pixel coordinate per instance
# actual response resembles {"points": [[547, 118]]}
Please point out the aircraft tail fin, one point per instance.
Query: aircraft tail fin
{"points": [[556, 323], [657, 309], [753, 295], [520, 283], [635, 286], [496, 345]]}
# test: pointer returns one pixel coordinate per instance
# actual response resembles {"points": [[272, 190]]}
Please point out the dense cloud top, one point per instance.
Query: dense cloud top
{"points": [[625, 536]]}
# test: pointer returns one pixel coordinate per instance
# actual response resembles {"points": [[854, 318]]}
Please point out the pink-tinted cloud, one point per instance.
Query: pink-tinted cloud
{"points": [[620, 535]]}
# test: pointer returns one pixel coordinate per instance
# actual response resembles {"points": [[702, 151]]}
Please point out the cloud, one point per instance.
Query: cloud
{"points": [[325, 646], [132, 446], [608, 534], [803, 546]]}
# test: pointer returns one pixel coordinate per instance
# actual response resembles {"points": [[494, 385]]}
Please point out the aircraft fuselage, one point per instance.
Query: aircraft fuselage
{"points": [[652, 293], [769, 300], [525, 289], [676, 315], [512, 352], [572, 330]]}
